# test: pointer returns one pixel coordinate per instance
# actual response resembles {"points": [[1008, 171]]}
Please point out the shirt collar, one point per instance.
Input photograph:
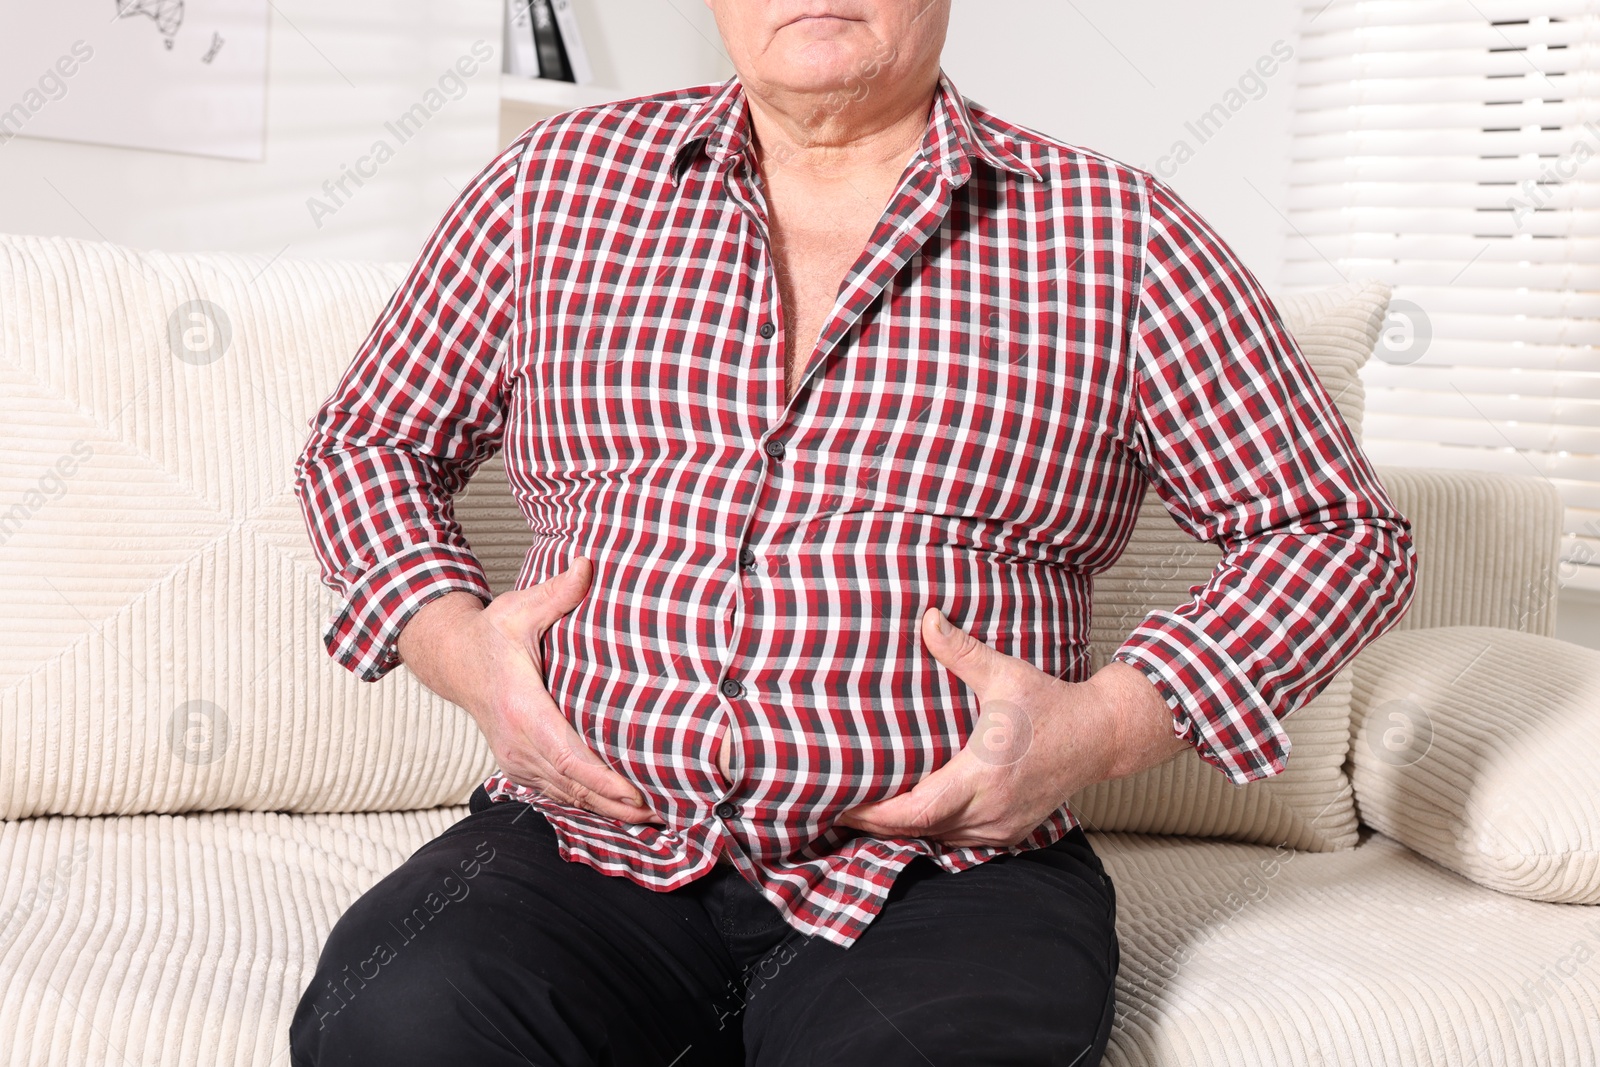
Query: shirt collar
{"points": [[719, 127]]}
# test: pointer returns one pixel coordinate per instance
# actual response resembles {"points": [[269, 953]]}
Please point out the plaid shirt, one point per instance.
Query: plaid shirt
{"points": [[1034, 333]]}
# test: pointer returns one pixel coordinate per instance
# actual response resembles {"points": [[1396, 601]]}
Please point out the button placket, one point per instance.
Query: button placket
{"points": [[766, 317], [728, 687]]}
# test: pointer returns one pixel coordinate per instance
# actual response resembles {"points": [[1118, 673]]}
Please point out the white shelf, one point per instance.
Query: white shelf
{"points": [[559, 96]]}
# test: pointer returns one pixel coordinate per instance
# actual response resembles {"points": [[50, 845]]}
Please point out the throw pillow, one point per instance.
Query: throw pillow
{"points": [[1479, 748], [1309, 806]]}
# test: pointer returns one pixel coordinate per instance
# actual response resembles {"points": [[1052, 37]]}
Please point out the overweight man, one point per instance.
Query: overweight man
{"points": [[826, 394]]}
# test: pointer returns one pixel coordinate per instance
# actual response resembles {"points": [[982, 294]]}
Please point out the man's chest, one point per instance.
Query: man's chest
{"points": [[811, 258], [970, 361]]}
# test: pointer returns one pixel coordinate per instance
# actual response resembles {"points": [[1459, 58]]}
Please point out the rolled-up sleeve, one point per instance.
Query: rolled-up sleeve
{"points": [[1247, 450], [418, 410]]}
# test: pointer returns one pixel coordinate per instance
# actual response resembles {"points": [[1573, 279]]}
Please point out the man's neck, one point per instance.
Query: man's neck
{"points": [[806, 137]]}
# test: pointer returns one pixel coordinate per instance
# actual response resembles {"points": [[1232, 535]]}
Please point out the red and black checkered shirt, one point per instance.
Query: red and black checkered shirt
{"points": [[1033, 334]]}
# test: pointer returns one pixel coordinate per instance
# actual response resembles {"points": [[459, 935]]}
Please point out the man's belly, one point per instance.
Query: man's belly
{"points": [[826, 714], [724, 763]]}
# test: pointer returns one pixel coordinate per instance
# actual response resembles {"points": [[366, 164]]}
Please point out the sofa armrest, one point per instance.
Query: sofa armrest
{"points": [[1477, 748], [1488, 547]]}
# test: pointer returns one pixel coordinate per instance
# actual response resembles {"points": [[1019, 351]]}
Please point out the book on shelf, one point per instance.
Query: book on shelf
{"points": [[543, 41], [521, 57], [547, 43], [577, 55]]}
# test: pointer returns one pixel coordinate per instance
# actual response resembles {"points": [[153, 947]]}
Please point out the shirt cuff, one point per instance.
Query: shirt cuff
{"points": [[1216, 708], [383, 598]]}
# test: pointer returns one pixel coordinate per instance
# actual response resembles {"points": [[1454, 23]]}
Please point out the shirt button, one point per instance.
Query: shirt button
{"points": [[731, 688], [726, 810], [767, 330], [747, 558], [773, 449]]}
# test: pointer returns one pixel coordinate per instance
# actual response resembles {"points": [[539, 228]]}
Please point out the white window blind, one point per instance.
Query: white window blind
{"points": [[1452, 148]]}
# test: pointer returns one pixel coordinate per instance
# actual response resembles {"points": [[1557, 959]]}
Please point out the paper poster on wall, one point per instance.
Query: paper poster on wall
{"points": [[172, 75]]}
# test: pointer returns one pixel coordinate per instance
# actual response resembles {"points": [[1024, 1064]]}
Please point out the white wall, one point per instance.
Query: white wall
{"points": [[337, 73], [1123, 78], [647, 46]]}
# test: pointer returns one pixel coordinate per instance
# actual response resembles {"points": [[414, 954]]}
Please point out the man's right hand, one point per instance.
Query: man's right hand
{"points": [[486, 660]]}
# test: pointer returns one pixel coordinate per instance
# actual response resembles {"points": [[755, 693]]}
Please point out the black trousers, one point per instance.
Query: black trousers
{"points": [[487, 948]]}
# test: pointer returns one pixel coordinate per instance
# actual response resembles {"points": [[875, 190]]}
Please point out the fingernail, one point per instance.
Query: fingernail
{"points": [[943, 623]]}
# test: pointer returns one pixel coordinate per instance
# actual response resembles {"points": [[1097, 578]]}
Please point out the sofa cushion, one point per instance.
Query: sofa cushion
{"points": [[1337, 329], [1309, 805], [160, 646], [156, 940], [181, 940], [1241, 955], [1480, 748]]}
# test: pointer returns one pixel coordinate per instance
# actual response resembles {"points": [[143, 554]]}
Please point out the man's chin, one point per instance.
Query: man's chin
{"points": [[824, 66], [821, 75]]}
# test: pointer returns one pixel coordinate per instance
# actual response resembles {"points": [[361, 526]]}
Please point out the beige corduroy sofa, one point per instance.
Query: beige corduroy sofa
{"points": [[192, 793]]}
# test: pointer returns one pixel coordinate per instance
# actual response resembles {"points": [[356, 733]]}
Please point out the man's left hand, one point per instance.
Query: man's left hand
{"points": [[1038, 739]]}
